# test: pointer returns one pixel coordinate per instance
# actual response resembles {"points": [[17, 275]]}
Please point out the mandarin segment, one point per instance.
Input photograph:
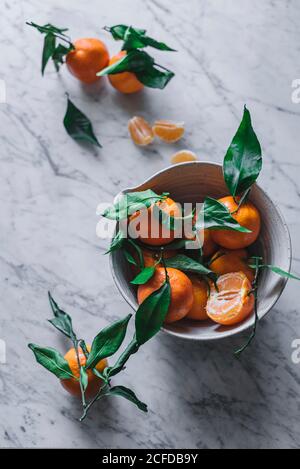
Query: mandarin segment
{"points": [[183, 156], [232, 301], [140, 131], [167, 131]]}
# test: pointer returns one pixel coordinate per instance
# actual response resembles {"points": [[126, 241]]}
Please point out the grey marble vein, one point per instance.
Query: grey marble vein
{"points": [[229, 53]]}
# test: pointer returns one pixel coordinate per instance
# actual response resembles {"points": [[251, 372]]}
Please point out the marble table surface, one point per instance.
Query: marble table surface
{"points": [[229, 53]]}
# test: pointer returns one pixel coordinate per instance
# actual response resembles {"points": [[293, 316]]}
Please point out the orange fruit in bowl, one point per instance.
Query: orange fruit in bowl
{"points": [[72, 385], [182, 296], [151, 257], [200, 291], [226, 261], [125, 82], [140, 131], [232, 301], [89, 57], [183, 156], [247, 216], [167, 131], [148, 227]]}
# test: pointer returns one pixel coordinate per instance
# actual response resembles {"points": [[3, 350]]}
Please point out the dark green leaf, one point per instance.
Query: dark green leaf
{"points": [[143, 276], [131, 349], [139, 252], [127, 394], [136, 39], [59, 54], [135, 61], [83, 346], [117, 242], [52, 360], [118, 32], [243, 160], [129, 258], [108, 341], [48, 28], [217, 217], [154, 78], [84, 379], [130, 203], [186, 264], [62, 321], [48, 49], [78, 125], [151, 313]]}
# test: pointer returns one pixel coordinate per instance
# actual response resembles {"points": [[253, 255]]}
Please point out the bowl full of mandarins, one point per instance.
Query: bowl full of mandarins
{"points": [[200, 248]]}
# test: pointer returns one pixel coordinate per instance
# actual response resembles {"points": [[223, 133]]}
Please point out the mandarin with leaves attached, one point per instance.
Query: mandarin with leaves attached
{"points": [[247, 216], [72, 385], [148, 226], [88, 57], [226, 261], [182, 296], [125, 82]]}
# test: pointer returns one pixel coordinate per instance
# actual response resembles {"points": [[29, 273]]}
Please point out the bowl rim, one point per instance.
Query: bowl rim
{"points": [[243, 326]]}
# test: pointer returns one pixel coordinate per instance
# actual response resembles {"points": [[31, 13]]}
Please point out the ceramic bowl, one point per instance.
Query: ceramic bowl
{"points": [[191, 182]]}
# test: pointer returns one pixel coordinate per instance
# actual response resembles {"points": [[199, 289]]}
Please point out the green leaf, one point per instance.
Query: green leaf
{"points": [[128, 394], [49, 28], [143, 66], [130, 203], [83, 346], [62, 321], [154, 78], [243, 160], [217, 217], [139, 252], [143, 276], [172, 223], [129, 258], [52, 360], [78, 125], [135, 61], [136, 39], [186, 264], [131, 349], [280, 272], [59, 54], [118, 32], [151, 313], [117, 242], [48, 49], [84, 379], [108, 341]]}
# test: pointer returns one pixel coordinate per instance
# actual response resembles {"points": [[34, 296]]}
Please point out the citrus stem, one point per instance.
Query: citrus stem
{"points": [[76, 345], [238, 352]]}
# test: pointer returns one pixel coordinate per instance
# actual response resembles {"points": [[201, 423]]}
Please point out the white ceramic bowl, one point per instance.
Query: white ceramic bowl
{"points": [[191, 182]]}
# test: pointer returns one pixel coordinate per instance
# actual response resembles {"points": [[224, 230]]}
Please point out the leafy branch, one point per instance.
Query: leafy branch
{"points": [[52, 49]]}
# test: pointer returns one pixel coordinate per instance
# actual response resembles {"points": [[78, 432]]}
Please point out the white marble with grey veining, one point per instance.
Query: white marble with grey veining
{"points": [[229, 53]]}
